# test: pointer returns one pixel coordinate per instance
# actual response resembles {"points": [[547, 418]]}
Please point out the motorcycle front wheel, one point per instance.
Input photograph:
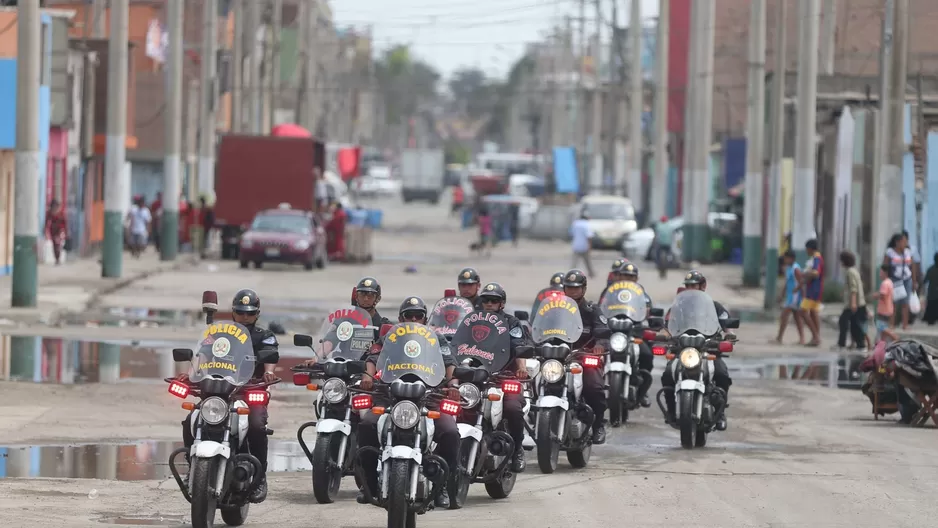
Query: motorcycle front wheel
{"points": [[204, 503], [327, 477], [399, 513], [687, 423], [548, 450], [616, 406]]}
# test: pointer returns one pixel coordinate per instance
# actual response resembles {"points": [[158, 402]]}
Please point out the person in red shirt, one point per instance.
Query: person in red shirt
{"points": [[56, 229], [335, 230], [459, 196]]}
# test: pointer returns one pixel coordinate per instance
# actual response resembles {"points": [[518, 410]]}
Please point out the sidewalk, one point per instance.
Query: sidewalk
{"points": [[75, 285]]}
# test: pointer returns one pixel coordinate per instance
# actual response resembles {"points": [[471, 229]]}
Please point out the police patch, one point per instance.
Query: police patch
{"points": [[414, 301], [272, 340], [466, 275], [245, 300], [556, 280], [367, 282], [602, 319], [516, 332], [490, 287]]}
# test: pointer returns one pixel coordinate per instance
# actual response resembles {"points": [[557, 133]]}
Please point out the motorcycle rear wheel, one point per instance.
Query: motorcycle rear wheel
{"points": [[686, 420], [326, 477], [400, 514], [204, 503], [581, 457]]}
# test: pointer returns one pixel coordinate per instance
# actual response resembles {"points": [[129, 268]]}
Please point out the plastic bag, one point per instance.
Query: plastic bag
{"points": [[915, 304]]}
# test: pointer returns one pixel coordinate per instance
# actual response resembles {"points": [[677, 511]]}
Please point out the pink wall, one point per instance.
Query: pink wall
{"points": [[56, 170], [58, 142]]}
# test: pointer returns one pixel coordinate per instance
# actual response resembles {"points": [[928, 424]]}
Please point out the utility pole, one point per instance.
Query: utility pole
{"points": [[752, 220], [659, 187], [617, 102], [690, 117], [829, 35], [116, 184], [778, 142], [636, 105], [169, 223], [209, 86], [696, 231], [237, 65], [277, 25], [580, 119], [809, 16], [253, 85], [192, 138], [98, 18], [26, 191], [596, 164]]}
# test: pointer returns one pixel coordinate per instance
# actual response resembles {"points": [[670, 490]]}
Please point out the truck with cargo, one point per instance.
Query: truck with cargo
{"points": [[422, 172], [256, 173]]}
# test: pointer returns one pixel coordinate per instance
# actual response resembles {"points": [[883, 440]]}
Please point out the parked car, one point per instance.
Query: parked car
{"points": [[612, 219], [379, 182], [639, 243], [284, 235]]}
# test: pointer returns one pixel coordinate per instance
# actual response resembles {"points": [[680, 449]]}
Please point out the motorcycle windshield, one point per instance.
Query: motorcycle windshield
{"points": [[557, 318], [483, 337], [625, 298], [225, 352], [411, 350], [447, 313], [693, 313], [346, 333], [546, 293]]}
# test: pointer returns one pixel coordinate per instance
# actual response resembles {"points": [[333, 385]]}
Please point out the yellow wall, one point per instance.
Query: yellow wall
{"points": [[786, 210]]}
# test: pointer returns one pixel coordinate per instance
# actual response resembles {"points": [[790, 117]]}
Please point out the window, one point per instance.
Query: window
{"points": [[282, 224]]}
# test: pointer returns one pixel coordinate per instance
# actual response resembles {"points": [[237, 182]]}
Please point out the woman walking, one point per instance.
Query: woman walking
{"points": [[899, 260], [931, 294], [56, 229]]}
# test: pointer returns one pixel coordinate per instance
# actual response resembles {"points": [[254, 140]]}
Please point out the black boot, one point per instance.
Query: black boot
{"points": [[260, 492], [599, 433], [644, 401], [361, 499], [442, 500], [671, 417], [518, 462]]}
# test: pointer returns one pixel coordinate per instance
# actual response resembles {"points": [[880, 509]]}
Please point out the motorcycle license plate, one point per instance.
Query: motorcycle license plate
{"points": [[272, 252]]}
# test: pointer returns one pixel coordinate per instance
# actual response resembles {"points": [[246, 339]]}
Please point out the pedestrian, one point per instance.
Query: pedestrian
{"points": [[156, 210], [321, 190], [853, 317], [514, 213], [790, 298], [885, 305], [208, 223], [899, 259], [485, 231], [582, 235], [139, 220], [664, 231], [459, 196], [57, 229], [335, 229], [930, 307], [812, 279]]}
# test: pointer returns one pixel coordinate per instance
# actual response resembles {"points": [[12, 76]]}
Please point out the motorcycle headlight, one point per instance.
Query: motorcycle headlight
{"points": [[618, 342], [214, 410], [552, 371], [690, 358], [405, 415], [334, 390], [471, 394]]}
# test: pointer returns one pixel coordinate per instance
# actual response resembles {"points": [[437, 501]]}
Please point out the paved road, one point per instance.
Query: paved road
{"points": [[794, 455]]}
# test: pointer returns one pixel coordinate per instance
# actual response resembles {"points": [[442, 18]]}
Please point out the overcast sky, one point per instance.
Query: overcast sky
{"points": [[450, 34]]}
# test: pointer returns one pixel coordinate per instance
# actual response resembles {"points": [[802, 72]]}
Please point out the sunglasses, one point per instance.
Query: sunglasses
{"points": [[412, 316]]}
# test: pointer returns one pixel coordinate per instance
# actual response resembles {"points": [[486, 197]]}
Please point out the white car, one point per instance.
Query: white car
{"points": [[612, 219], [379, 182], [638, 244]]}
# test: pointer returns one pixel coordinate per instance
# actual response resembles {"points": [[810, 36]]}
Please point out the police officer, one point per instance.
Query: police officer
{"points": [[556, 281], [695, 280], [574, 287], [613, 271], [468, 283], [493, 298], [367, 297], [446, 434], [245, 308]]}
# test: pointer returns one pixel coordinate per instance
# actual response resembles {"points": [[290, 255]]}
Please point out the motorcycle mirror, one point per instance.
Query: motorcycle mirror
{"points": [[522, 315], [657, 312], [729, 323], [655, 323], [385, 328], [302, 340], [449, 293], [182, 354], [267, 356]]}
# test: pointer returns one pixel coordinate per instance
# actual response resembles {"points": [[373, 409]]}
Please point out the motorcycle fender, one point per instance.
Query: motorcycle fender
{"points": [[331, 425], [401, 452], [618, 366], [690, 385], [469, 431], [546, 402], [495, 409], [210, 449]]}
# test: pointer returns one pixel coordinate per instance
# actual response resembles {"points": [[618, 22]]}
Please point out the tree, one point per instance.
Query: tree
{"points": [[405, 83]]}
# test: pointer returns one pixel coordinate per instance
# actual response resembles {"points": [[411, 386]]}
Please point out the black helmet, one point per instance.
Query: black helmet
{"points": [[694, 277], [493, 289], [574, 279], [368, 284], [617, 263], [413, 304], [556, 280], [469, 276], [627, 268], [247, 302]]}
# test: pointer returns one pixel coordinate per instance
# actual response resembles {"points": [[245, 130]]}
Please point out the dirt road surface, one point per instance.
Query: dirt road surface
{"points": [[794, 455]]}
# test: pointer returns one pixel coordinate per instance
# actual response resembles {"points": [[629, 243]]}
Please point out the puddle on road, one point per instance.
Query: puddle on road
{"points": [[72, 361], [124, 316], [830, 370], [148, 460], [146, 520]]}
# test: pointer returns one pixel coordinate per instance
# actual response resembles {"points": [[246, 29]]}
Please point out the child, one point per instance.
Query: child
{"points": [[485, 231], [791, 303], [885, 307]]}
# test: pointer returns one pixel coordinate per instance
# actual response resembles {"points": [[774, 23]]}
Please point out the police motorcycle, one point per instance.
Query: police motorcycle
{"points": [[564, 421], [410, 476], [448, 312], [626, 311], [344, 338], [222, 473], [696, 337], [533, 366], [482, 349]]}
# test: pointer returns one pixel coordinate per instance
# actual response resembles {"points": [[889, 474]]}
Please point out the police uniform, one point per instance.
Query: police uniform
{"points": [[470, 276], [247, 301], [446, 433]]}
